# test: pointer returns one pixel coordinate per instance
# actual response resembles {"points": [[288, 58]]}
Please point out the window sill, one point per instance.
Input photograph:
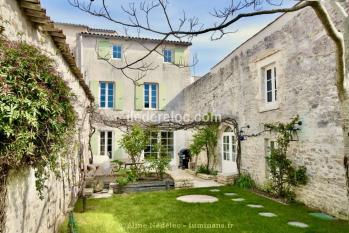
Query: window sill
{"points": [[268, 107]]}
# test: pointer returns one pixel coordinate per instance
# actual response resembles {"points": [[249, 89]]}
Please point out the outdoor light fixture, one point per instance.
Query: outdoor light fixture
{"points": [[241, 132]]}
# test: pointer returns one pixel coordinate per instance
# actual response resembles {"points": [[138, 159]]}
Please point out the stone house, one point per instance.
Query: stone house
{"points": [[286, 69], [117, 95], [25, 212]]}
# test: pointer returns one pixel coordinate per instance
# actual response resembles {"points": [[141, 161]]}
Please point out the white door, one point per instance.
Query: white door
{"points": [[229, 153]]}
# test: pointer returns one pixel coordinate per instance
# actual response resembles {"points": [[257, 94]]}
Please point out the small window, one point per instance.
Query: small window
{"points": [[106, 143], [270, 85], [116, 52], [106, 90], [168, 55], [150, 96]]}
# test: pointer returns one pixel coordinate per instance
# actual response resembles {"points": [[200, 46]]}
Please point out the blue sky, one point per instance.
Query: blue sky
{"points": [[208, 52]]}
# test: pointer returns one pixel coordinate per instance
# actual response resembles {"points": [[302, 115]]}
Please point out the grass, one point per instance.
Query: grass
{"points": [[161, 212]]}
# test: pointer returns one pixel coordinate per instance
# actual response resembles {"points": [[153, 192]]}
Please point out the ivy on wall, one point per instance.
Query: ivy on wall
{"points": [[37, 118]]}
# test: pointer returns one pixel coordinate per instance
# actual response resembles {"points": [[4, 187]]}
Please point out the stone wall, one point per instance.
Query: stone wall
{"points": [[304, 56], [26, 213]]}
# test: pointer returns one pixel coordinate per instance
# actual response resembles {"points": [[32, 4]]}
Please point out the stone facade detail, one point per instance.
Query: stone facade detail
{"points": [[303, 55]]}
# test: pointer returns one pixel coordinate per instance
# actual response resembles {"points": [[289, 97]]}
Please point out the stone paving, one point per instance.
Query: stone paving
{"points": [[267, 214], [183, 179], [255, 206], [211, 199], [298, 224], [197, 199]]}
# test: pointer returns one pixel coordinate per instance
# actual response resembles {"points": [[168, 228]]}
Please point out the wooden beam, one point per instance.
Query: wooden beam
{"points": [[40, 20], [32, 6], [32, 1], [57, 34], [35, 13]]}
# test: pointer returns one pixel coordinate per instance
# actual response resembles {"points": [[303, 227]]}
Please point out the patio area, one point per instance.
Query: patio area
{"points": [[228, 209]]}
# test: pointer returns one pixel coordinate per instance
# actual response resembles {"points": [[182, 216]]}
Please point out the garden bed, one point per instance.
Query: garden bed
{"points": [[149, 183]]}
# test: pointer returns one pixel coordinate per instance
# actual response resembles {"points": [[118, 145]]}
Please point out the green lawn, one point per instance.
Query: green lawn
{"points": [[161, 212]]}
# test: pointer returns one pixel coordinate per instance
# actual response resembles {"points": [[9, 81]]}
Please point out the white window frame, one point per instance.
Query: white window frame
{"points": [[106, 96], [150, 96], [158, 139], [172, 55], [106, 143], [232, 143], [273, 90], [112, 52], [266, 60]]}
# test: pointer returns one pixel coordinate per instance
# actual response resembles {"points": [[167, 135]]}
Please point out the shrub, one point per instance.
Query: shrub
{"points": [[204, 170], [245, 181], [37, 119], [206, 139], [284, 175], [134, 142]]}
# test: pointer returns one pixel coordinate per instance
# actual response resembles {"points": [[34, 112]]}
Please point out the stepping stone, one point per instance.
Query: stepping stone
{"points": [[255, 206], [322, 216], [197, 199], [267, 214], [215, 190], [238, 199], [298, 224], [230, 194]]}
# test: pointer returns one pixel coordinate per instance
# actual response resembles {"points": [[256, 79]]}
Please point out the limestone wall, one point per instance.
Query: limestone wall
{"points": [[26, 213], [304, 56]]}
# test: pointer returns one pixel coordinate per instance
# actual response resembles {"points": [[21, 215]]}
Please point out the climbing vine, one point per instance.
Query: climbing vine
{"points": [[284, 175], [37, 118]]}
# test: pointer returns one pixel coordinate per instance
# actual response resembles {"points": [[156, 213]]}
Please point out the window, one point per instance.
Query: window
{"points": [[165, 139], [150, 96], [270, 84], [229, 145], [151, 150], [168, 55], [116, 52], [167, 142], [106, 143], [226, 147], [106, 95]]}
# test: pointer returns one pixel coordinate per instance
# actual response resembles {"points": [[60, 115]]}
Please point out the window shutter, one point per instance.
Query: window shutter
{"points": [[119, 95], [179, 56], [104, 49], [139, 97], [162, 96], [94, 143], [117, 154], [94, 87]]}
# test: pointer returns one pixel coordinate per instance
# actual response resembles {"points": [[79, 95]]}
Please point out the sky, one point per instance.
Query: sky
{"points": [[208, 52]]}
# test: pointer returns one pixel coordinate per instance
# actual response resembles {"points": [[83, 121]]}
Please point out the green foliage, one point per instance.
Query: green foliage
{"points": [[206, 138], [159, 163], [134, 142], [245, 181], [204, 170], [37, 118], [284, 175], [125, 176]]}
